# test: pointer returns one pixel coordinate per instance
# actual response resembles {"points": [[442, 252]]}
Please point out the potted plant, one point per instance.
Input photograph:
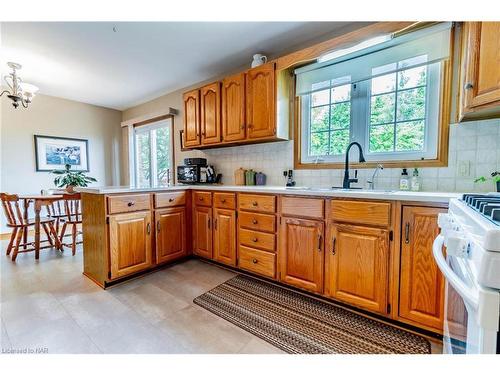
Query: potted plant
{"points": [[495, 177], [70, 179]]}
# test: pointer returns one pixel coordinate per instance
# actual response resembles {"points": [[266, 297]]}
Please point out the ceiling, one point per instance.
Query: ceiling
{"points": [[92, 63]]}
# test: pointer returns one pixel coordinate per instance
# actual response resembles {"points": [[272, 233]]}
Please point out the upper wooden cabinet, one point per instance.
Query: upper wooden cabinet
{"points": [[357, 266], [170, 234], [192, 118], [301, 255], [130, 243], [225, 236], [233, 108], [210, 109], [421, 297], [480, 76], [261, 101]]}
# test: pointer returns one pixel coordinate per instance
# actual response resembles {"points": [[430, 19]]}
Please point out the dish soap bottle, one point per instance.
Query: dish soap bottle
{"points": [[404, 181], [415, 181]]}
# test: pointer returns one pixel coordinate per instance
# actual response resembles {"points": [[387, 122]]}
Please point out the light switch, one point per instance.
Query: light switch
{"points": [[463, 168]]}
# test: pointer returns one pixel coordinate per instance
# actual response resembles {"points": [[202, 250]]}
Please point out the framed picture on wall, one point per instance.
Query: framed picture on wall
{"points": [[55, 152]]}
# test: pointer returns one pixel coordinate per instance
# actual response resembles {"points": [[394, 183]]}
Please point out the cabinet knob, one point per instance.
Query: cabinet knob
{"points": [[250, 126], [255, 239], [130, 204], [254, 203], [254, 261], [254, 221], [223, 200], [171, 199], [468, 86], [200, 198], [243, 126]]}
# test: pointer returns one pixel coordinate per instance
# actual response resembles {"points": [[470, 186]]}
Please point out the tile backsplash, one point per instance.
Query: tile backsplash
{"points": [[474, 151]]}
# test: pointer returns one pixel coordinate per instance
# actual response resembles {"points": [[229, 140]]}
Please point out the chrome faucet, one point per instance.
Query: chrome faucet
{"points": [[347, 181], [371, 183]]}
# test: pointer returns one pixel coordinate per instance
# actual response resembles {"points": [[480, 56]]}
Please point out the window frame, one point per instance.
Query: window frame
{"points": [[444, 77], [147, 126]]}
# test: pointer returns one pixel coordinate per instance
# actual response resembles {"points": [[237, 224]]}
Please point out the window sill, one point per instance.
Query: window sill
{"points": [[373, 164]]}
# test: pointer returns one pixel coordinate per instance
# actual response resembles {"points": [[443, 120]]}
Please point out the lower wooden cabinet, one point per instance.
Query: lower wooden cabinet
{"points": [[170, 234], [421, 285], [130, 243], [301, 255], [225, 236], [202, 231], [357, 266]]}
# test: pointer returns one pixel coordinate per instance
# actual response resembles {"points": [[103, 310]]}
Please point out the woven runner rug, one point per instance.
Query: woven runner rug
{"points": [[296, 323]]}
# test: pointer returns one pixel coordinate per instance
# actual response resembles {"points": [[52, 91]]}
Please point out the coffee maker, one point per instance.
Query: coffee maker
{"points": [[196, 171]]}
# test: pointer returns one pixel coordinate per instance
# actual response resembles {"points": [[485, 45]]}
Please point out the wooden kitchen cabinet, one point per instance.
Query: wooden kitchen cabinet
{"points": [[480, 75], [225, 236], [192, 118], [202, 231], [233, 108], [170, 234], [261, 101], [130, 243], [301, 253], [421, 298], [357, 265], [210, 112]]}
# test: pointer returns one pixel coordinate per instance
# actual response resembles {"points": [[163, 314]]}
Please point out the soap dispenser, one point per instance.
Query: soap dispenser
{"points": [[404, 181], [415, 181]]}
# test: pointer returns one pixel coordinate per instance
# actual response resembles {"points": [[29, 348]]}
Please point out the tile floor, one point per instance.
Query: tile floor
{"points": [[50, 306]]}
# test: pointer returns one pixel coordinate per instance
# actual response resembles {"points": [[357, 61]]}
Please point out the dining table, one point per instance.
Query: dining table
{"points": [[39, 201]]}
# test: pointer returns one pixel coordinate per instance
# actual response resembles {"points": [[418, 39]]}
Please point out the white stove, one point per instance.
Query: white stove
{"points": [[470, 232]]}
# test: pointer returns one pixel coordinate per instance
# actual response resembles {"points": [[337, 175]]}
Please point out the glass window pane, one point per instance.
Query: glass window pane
{"points": [[382, 138], [382, 108], [341, 93], [163, 145], [412, 77], [319, 119], [319, 144], [320, 98], [143, 160], [410, 136], [339, 140], [383, 84], [411, 104], [340, 115]]}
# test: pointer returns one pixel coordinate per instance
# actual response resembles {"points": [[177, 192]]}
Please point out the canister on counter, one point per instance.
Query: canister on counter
{"points": [[260, 178], [239, 177], [250, 177]]}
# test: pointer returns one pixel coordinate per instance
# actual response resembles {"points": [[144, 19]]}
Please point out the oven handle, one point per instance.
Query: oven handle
{"points": [[459, 286]]}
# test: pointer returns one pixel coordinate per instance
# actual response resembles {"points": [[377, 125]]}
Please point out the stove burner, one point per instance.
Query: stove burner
{"points": [[487, 205]]}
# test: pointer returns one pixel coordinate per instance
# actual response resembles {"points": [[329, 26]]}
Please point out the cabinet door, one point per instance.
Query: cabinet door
{"points": [[202, 231], [225, 236], [261, 102], [233, 108], [192, 118], [481, 62], [421, 286], [130, 243], [210, 114], [170, 234], [357, 266], [301, 255]]}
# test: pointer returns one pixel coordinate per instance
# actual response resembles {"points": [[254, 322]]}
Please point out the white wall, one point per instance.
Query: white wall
{"points": [[48, 115]]}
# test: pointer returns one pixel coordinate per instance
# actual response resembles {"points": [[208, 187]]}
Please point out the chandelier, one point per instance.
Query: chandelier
{"points": [[19, 91]]}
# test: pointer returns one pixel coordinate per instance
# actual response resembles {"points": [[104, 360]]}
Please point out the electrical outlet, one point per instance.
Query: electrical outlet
{"points": [[463, 168]]}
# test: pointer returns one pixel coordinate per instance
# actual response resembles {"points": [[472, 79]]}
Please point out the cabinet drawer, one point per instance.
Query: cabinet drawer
{"points": [[303, 207], [359, 212], [128, 203], [170, 199], [257, 261], [202, 198], [260, 222], [264, 241], [259, 203], [225, 200]]}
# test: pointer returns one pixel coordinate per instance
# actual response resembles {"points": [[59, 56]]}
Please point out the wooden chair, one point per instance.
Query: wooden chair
{"points": [[20, 226], [73, 217]]}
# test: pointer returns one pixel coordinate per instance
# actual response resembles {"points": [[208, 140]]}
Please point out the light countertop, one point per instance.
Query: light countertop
{"points": [[418, 196]]}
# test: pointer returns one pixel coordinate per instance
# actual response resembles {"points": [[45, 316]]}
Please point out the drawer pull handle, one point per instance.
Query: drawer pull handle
{"points": [[215, 224], [255, 239], [148, 228], [158, 226], [130, 204], [254, 203], [320, 237], [254, 261], [171, 200], [407, 233], [254, 221], [208, 223], [333, 245]]}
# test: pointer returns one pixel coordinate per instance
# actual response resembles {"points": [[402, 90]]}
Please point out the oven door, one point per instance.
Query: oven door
{"points": [[471, 311]]}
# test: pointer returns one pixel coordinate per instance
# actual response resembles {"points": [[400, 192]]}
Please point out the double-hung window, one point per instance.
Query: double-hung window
{"points": [[153, 154], [386, 97]]}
